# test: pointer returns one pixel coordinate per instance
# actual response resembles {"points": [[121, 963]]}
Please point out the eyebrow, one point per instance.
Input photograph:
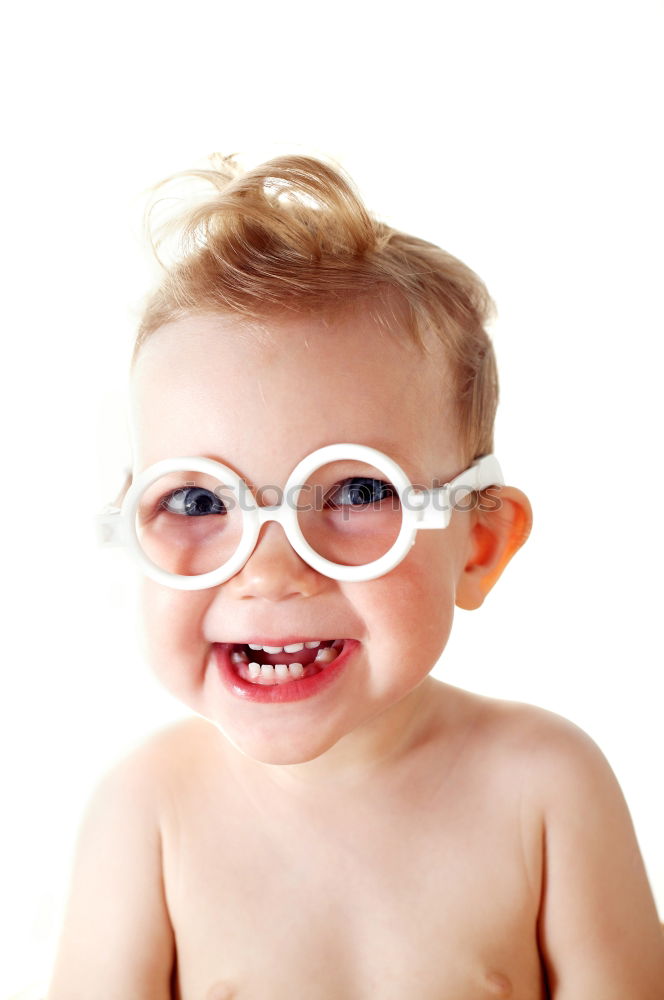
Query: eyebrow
{"points": [[406, 462]]}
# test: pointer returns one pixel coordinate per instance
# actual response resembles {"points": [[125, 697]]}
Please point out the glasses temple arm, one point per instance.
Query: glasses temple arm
{"points": [[436, 505], [109, 524]]}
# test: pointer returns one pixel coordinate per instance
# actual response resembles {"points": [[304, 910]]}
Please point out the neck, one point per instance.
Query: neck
{"points": [[370, 755]]}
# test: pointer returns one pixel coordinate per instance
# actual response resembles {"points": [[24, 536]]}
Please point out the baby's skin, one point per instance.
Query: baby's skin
{"points": [[390, 837]]}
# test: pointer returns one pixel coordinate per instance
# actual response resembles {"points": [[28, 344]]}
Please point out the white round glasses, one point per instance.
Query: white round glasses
{"points": [[348, 510]]}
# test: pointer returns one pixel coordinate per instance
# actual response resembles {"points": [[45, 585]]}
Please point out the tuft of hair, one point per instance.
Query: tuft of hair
{"points": [[292, 235]]}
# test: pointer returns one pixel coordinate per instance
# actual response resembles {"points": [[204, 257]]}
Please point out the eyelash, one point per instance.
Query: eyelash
{"points": [[166, 500], [386, 489]]}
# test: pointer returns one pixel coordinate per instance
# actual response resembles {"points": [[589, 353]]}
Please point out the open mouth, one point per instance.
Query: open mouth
{"points": [[281, 665]]}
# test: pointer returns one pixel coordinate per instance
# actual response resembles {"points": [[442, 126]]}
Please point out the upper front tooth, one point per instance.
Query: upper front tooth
{"points": [[294, 647]]}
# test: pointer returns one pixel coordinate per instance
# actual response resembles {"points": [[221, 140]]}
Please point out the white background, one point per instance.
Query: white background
{"points": [[524, 138]]}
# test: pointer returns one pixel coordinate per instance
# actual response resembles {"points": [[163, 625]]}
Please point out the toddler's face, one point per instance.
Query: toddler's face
{"points": [[258, 398]]}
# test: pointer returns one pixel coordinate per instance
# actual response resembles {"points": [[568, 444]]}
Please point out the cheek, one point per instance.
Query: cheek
{"points": [[411, 609], [172, 633]]}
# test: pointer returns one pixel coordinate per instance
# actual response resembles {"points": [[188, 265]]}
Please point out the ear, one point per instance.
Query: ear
{"points": [[501, 524]]}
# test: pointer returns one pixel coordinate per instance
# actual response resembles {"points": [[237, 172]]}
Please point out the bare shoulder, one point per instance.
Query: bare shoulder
{"points": [[598, 926], [164, 747], [179, 756], [559, 761], [517, 732], [155, 763], [117, 928], [556, 761]]}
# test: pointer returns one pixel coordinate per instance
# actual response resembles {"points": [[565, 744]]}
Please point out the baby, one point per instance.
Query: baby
{"points": [[313, 491]]}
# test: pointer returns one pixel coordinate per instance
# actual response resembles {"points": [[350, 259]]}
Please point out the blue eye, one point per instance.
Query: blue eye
{"points": [[192, 501], [360, 491]]}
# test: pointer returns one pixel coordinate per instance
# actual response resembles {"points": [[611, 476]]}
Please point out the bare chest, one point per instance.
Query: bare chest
{"points": [[438, 905]]}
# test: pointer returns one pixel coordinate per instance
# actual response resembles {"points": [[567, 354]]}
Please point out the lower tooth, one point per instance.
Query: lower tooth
{"points": [[282, 673], [326, 655], [267, 674]]}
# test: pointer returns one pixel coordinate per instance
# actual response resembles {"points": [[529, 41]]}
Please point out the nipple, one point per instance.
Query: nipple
{"points": [[499, 985], [221, 991]]}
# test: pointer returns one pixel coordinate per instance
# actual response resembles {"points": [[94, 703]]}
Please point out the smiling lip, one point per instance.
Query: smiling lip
{"points": [[273, 693]]}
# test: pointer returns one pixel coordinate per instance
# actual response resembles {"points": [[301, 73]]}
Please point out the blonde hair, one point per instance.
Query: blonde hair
{"points": [[293, 235]]}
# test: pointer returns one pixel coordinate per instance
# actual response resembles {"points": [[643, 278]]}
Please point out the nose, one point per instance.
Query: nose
{"points": [[274, 570]]}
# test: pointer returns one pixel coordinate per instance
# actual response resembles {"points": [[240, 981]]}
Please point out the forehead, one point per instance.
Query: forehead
{"points": [[233, 389]]}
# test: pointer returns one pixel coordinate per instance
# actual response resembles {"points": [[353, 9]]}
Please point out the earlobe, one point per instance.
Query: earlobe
{"points": [[496, 535]]}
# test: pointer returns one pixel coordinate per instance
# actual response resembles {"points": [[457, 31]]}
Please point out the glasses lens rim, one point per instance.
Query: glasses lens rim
{"points": [[189, 464], [253, 517], [393, 472]]}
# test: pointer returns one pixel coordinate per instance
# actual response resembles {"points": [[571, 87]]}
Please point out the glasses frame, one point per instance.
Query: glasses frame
{"points": [[423, 510]]}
